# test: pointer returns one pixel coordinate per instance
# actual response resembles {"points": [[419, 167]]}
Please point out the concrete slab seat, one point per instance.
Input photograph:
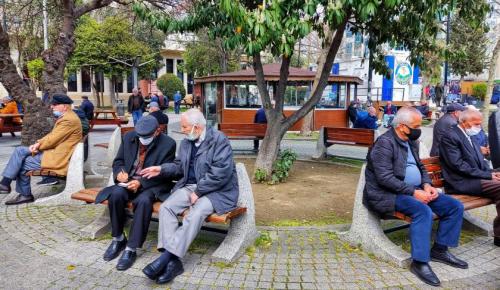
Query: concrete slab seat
{"points": [[241, 232], [329, 136], [366, 229]]}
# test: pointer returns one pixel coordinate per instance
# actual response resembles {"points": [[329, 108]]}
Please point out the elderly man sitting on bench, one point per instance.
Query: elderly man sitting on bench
{"points": [[396, 180], [51, 153], [144, 147], [209, 184]]}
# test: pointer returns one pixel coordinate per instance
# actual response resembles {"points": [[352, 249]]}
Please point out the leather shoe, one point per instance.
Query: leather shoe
{"points": [[496, 241], [174, 268], [154, 269], [126, 260], [448, 258], [424, 272], [4, 189], [20, 199], [114, 249]]}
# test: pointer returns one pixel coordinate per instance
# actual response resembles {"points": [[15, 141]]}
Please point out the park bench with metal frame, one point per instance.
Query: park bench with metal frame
{"points": [[366, 229], [10, 127], [329, 136]]}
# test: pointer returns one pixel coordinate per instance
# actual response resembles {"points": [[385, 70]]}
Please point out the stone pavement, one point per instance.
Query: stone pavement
{"points": [[40, 248]]}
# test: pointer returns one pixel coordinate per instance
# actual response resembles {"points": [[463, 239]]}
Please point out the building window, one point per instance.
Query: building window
{"points": [[348, 48], [169, 63], [180, 69], [72, 83], [130, 83], [210, 106], [334, 96], [296, 95], [242, 95], [86, 80]]}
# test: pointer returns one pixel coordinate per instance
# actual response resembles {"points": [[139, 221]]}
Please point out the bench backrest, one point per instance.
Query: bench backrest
{"points": [[433, 167], [243, 129], [349, 136]]}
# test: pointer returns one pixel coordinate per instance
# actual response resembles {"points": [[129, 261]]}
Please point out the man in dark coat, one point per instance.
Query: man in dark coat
{"points": [[494, 138], [259, 118], [396, 180], [209, 184], [141, 148], [443, 125], [135, 105], [464, 169], [87, 107], [352, 111]]}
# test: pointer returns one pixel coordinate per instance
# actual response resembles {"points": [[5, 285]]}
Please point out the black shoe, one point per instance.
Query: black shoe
{"points": [[424, 272], [174, 269], [20, 199], [126, 260], [48, 181], [154, 269], [496, 241], [448, 258], [4, 189], [114, 249]]}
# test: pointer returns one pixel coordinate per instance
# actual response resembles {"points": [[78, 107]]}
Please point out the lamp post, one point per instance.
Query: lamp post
{"points": [[447, 42]]}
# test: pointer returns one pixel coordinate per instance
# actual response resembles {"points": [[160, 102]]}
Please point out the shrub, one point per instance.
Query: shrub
{"points": [[283, 166], [169, 84], [479, 91]]}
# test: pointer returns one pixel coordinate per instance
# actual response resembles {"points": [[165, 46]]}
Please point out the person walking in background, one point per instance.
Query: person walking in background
{"points": [[177, 102], [259, 118], [162, 101], [87, 107], [439, 91], [136, 105]]}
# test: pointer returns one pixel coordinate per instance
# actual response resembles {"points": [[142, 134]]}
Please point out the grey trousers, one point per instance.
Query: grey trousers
{"points": [[172, 237], [19, 163]]}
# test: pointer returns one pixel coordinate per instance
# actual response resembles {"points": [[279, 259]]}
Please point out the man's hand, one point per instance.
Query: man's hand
{"points": [[422, 195], [193, 197], [122, 176], [485, 150], [133, 185], [495, 176], [150, 172], [432, 191], [34, 148]]}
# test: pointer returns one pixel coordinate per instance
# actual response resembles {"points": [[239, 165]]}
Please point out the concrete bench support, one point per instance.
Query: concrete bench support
{"points": [[74, 181], [242, 231], [366, 231], [114, 145]]}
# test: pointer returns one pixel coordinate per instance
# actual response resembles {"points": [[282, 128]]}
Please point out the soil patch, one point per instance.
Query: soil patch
{"points": [[314, 194]]}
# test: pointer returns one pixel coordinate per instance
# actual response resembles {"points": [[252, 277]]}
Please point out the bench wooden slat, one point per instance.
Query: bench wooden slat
{"points": [[89, 196], [349, 136], [243, 130], [44, 172]]}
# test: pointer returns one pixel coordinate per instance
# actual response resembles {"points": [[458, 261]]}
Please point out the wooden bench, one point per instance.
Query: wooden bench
{"points": [[114, 120], [7, 126], [241, 232], [329, 136], [89, 196], [366, 228], [243, 131]]}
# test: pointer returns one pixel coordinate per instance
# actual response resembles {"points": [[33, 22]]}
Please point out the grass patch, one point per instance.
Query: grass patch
{"points": [[402, 237], [314, 136], [326, 220], [346, 161], [222, 265], [264, 240], [426, 122]]}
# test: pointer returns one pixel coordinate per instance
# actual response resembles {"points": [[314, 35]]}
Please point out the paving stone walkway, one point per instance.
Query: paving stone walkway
{"points": [[40, 248]]}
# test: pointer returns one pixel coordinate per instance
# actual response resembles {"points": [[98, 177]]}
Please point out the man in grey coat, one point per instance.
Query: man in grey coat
{"points": [[444, 124], [209, 184]]}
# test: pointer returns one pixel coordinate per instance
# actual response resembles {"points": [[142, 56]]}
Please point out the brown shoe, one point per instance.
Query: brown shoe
{"points": [[20, 199]]}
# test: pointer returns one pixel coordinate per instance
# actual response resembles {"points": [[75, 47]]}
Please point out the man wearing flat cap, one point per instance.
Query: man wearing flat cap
{"points": [[52, 152], [144, 147], [443, 125]]}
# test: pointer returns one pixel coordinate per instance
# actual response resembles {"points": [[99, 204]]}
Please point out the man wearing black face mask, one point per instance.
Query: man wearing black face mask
{"points": [[144, 147], [396, 180]]}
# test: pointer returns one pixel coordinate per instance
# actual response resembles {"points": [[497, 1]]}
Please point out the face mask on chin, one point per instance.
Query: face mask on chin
{"points": [[192, 136]]}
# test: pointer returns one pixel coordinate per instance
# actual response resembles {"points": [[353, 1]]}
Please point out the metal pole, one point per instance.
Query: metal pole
{"points": [[45, 26]]}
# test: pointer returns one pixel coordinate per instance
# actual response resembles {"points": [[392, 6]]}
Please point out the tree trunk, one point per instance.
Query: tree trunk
{"points": [[268, 150], [494, 63], [38, 118], [307, 124]]}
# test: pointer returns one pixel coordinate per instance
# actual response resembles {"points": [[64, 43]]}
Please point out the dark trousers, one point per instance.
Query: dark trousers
{"points": [[143, 208], [450, 212], [256, 144], [491, 189]]}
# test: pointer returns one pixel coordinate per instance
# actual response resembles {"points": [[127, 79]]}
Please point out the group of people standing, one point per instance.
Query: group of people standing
{"points": [[396, 180], [137, 104]]}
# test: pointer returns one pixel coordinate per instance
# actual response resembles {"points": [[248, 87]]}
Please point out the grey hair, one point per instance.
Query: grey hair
{"points": [[195, 117], [469, 114], [135, 90], [405, 116]]}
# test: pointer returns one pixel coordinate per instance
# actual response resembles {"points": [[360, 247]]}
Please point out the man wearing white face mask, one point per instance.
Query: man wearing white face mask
{"points": [[144, 147], [52, 152], [464, 169]]}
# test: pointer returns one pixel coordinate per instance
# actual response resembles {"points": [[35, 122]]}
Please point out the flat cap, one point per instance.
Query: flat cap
{"points": [[146, 126], [454, 107], [61, 99], [153, 104]]}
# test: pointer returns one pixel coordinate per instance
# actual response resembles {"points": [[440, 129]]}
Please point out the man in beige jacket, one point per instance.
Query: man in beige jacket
{"points": [[52, 152]]}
